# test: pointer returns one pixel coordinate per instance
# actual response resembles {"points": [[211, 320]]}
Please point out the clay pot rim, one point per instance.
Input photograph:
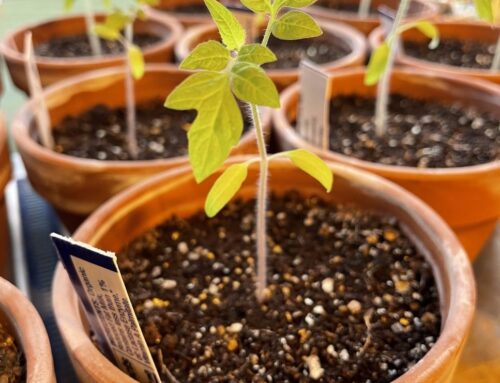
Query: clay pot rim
{"points": [[13, 54], [429, 9], [353, 38], [456, 266], [377, 35], [4, 154], [280, 122], [23, 118], [30, 333]]}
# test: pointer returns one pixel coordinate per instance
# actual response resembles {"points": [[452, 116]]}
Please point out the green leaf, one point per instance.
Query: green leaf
{"points": [[295, 25], [149, 2], [210, 55], [117, 20], [136, 60], [378, 63], [232, 33], [68, 5], [250, 83], [427, 28], [484, 10], [225, 188], [257, 6], [278, 4], [312, 165], [106, 32], [256, 54], [218, 124], [106, 3]]}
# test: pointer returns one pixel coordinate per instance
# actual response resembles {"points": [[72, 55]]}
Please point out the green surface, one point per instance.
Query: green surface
{"points": [[14, 13]]}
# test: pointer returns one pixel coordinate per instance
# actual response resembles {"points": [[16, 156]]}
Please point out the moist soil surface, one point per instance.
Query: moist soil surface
{"points": [[419, 134], [460, 53], [100, 133], [79, 46], [320, 50], [350, 299], [11, 359]]}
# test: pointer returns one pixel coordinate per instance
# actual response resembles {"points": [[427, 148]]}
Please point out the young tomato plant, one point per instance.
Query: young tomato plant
{"points": [[95, 44], [382, 60], [489, 11], [232, 70], [119, 26]]}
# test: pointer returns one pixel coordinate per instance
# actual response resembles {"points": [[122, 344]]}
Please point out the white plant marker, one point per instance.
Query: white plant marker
{"points": [[314, 117], [364, 8], [383, 88], [95, 44], [130, 98], [36, 92]]}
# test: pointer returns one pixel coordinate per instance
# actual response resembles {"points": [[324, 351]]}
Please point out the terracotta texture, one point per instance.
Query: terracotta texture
{"points": [[467, 198], [284, 77], [448, 29], [4, 179], [188, 19], [421, 9], [55, 69], [78, 186], [19, 315], [150, 203]]}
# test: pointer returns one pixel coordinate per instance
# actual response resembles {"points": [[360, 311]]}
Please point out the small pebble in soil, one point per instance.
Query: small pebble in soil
{"points": [[332, 313], [459, 53], [101, 133], [420, 134], [12, 368], [79, 46]]}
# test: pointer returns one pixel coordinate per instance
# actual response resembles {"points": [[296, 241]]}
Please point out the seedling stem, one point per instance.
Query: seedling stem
{"points": [[383, 89], [364, 8], [495, 66], [95, 44]]}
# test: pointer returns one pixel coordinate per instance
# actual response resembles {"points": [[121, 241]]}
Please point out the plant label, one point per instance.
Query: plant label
{"points": [[313, 123], [98, 282]]}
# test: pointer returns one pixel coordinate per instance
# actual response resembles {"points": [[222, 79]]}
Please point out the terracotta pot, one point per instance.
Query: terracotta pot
{"points": [[77, 186], [55, 69], [188, 19], [21, 318], [152, 202], [467, 198], [419, 9], [448, 29], [4, 179], [284, 77]]}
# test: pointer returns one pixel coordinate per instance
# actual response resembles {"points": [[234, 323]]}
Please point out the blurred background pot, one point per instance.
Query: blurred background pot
{"points": [[4, 179], [188, 12], [55, 69], [448, 29], [419, 9], [77, 186], [352, 39], [467, 198], [23, 322], [146, 205]]}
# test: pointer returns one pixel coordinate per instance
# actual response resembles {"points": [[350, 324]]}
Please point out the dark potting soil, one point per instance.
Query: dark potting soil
{"points": [[79, 46], [192, 9], [319, 50], [11, 359], [419, 134], [342, 6], [466, 54], [350, 297], [101, 133]]}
